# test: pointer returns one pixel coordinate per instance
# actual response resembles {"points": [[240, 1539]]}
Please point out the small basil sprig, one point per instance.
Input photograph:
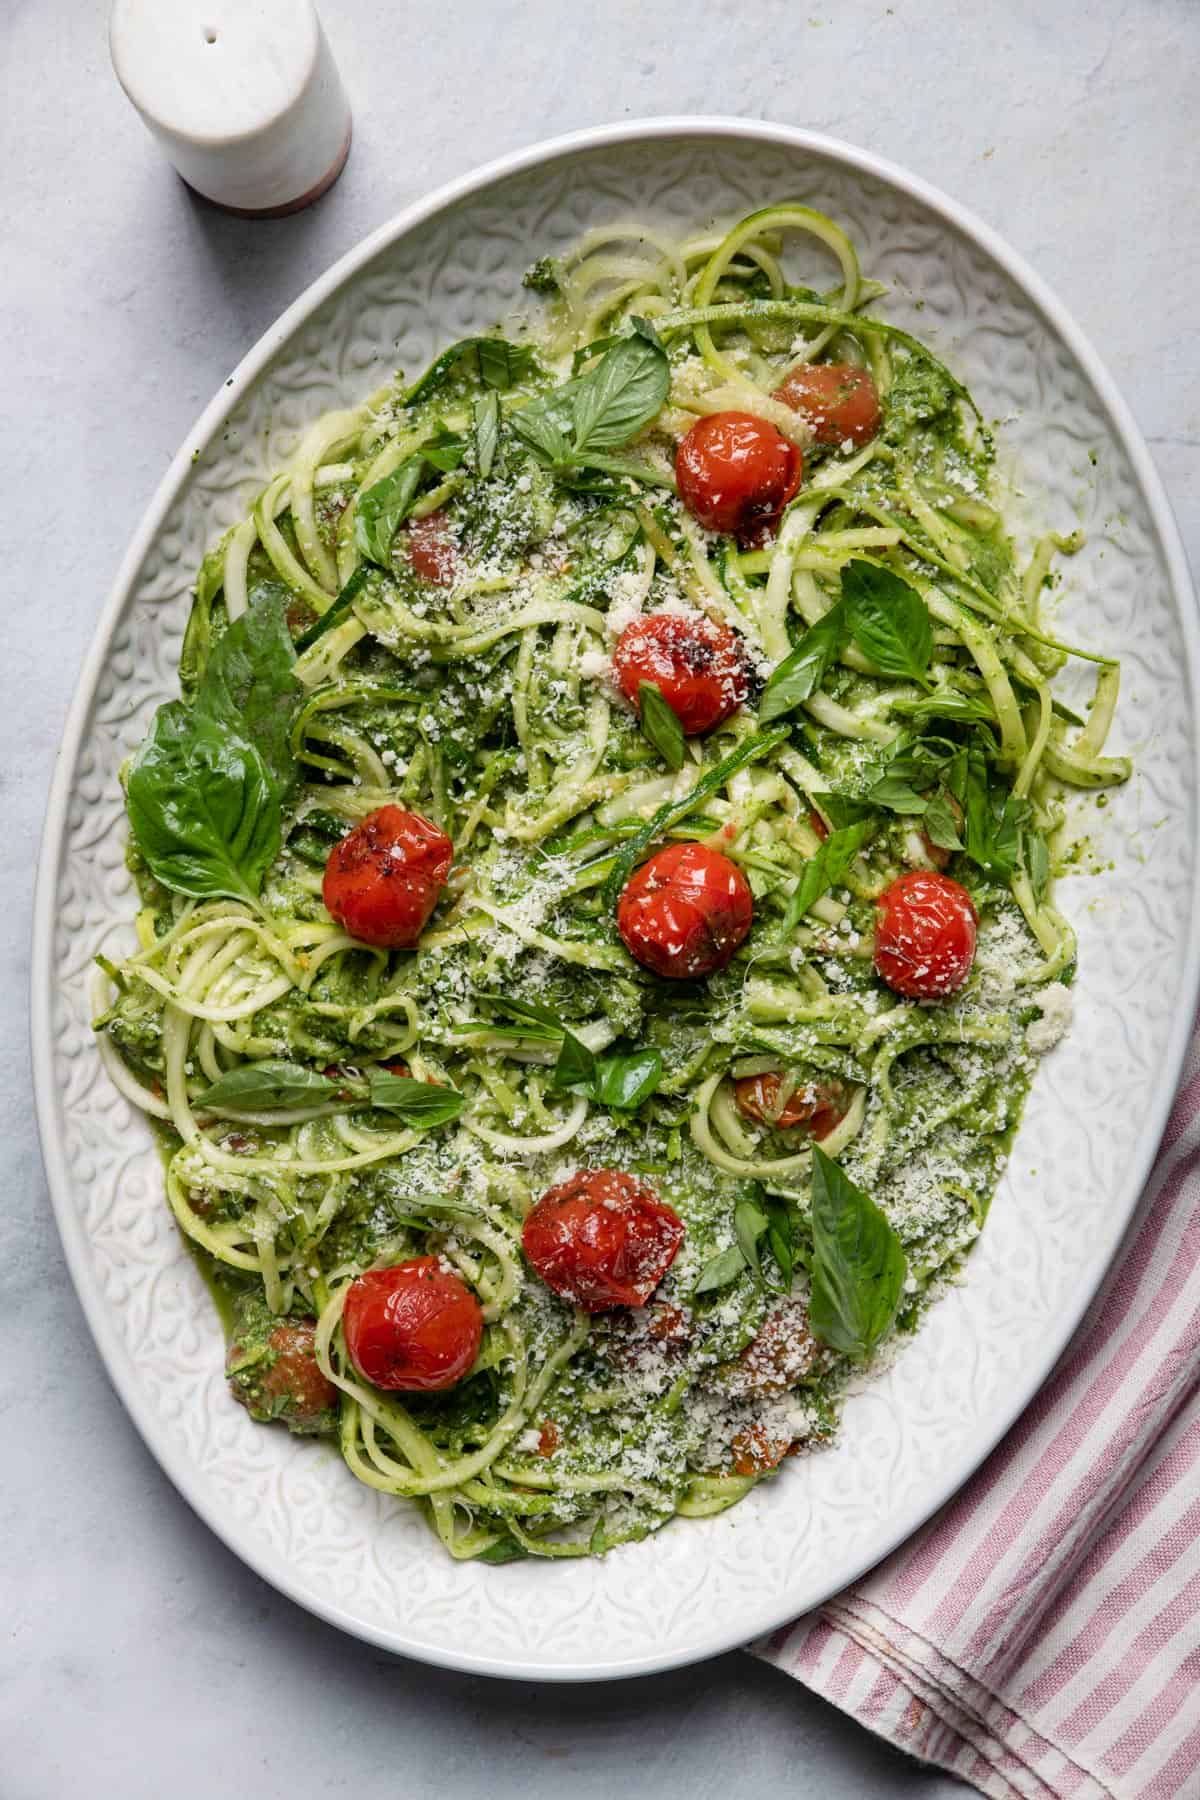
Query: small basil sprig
{"points": [[755, 1218], [419, 1103], [858, 1265], [383, 507], [268, 1086], [500, 366], [827, 868], [600, 410], [206, 789], [620, 1081], [660, 723]]}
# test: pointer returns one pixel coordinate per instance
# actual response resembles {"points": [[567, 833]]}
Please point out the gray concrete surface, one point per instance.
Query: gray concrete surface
{"points": [[137, 1657]]}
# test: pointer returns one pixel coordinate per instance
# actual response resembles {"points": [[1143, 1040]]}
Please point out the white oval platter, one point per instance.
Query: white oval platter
{"points": [[444, 268]]}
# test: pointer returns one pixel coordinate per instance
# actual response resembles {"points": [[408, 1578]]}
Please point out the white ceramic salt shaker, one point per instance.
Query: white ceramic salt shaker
{"points": [[243, 96]]}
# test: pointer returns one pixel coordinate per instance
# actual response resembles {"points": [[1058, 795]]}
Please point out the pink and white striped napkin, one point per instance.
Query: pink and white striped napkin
{"points": [[1041, 1636]]}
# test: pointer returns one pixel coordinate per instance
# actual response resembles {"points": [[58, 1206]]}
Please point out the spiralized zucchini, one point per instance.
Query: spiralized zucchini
{"points": [[486, 704]]}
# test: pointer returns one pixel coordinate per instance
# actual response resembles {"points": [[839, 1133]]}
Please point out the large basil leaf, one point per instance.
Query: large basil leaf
{"points": [[248, 685], [621, 1082], [802, 671], [601, 410], [888, 620], [420, 1103], [827, 868], [204, 807], [268, 1086], [858, 1266]]}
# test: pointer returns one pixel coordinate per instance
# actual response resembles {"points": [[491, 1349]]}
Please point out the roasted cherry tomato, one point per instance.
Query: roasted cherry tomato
{"points": [[602, 1239], [684, 913], [839, 400], [697, 666], [925, 935], [432, 550], [383, 880], [783, 1353], [287, 1383], [412, 1328], [736, 472], [756, 1452], [818, 1104]]}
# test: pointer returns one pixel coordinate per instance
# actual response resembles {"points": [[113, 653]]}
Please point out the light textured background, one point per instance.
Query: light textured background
{"points": [[137, 1653]]}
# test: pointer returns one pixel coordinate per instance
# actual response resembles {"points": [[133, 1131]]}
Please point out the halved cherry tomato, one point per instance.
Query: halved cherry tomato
{"points": [[414, 1328], [289, 1382], [602, 1239], [431, 549], [736, 472], [383, 880], [820, 1105], [925, 934], [684, 913], [755, 1452], [839, 400], [698, 667]]}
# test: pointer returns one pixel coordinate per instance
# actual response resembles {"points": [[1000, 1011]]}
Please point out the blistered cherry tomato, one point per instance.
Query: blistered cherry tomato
{"points": [[413, 1328], [839, 400], [602, 1239], [736, 472], [820, 1105], [925, 935], [288, 1383], [697, 666], [783, 1353], [684, 913], [756, 1452], [383, 880], [431, 549]]}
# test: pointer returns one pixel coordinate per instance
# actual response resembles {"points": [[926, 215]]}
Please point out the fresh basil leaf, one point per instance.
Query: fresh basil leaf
{"points": [[445, 451], [893, 792], [781, 1238], [335, 614], [802, 671], [645, 329], [720, 1270], [504, 1550], [888, 619], [1036, 856], [994, 817], [941, 822], [544, 430], [268, 1086], [248, 686], [549, 1024], [620, 395], [670, 813], [624, 1082], [840, 809], [487, 432], [500, 364], [749, 1225], [383, 508], [660, 723], [946, 703], [420, 1103], [859, 1266], [826, 868], [576, 1066], [204, 807]]}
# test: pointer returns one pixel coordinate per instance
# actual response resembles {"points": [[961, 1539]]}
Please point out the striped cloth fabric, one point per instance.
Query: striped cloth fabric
{"points": [[1041, 1636]]}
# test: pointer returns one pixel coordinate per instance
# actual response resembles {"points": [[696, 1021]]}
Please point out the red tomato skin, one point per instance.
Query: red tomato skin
{"points": [[432, 550], [736, 472], [820, 1106], [383, 880], [839, 400], [602, 1239], [925, 932], [684, 913], [698, 667], [414, 1328], [818, 824]]}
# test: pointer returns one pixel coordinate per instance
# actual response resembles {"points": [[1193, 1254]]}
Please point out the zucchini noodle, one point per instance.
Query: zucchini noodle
{"points": [[262, 1040]]}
